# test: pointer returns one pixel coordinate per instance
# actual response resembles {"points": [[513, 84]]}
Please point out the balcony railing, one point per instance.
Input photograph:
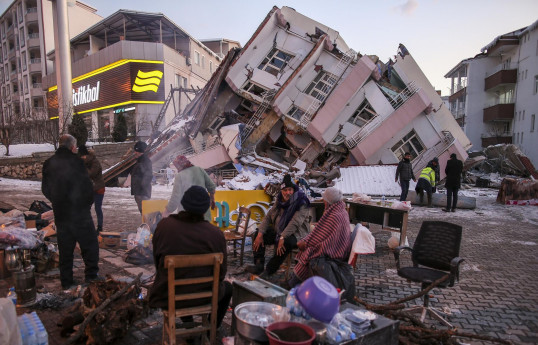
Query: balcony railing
{"points": [[457, 113], [403, 96], [36, 85], [36, 60], [31, 10], [501, 67], [497, 101], [34, 35], [497, 135]]}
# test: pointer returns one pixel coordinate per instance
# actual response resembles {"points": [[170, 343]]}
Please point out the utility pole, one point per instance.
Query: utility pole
{"points": [[62, 47]]}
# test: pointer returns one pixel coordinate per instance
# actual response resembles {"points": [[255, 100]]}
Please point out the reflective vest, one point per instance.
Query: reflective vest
{"points": [[429, 175]]}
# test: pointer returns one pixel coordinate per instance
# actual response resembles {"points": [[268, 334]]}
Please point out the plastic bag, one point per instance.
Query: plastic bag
{"points": [[143, 235], [139, 256], [401, 205], [40, 206], [358, 197], [13, 219], [337, 272]]}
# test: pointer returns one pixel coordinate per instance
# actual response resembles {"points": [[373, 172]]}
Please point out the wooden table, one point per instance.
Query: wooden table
{"points": [[389, 218]]}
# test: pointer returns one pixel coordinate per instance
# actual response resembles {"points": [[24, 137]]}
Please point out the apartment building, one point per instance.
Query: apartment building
{"points": [[26, 34], [300, 94], [136, 64], [494, 95]]}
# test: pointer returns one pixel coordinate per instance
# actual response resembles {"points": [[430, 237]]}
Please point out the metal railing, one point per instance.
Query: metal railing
{"points": [[503, 100], [34, 35], [458, 113], [420, 163], [502, 67], [404, 95], [31, 10], [35, 60], [36, 85], [502, 134]]}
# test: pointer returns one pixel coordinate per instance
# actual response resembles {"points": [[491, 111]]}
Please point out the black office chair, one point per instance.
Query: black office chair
{"points": [[435, 254]]}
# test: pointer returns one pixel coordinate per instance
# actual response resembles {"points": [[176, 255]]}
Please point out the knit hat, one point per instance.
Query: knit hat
{"points": [[82, 150], [453, 155], [196, 200], [287, 182], [435, 159], [140, 146]]}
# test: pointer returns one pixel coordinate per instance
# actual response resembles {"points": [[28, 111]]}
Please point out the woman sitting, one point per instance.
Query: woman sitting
{"points": [[330, 238]]}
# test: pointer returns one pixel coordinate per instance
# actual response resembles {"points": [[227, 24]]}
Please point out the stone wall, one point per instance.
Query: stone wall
{"points": [[29, 167]]}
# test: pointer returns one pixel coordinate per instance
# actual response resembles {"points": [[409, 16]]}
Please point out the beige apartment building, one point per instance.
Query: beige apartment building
{"points": [[26, 34]]}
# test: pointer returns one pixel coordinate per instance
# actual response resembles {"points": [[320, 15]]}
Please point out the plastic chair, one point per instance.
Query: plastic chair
{"points": [[435, 255], [172, 263], [236, 236]]}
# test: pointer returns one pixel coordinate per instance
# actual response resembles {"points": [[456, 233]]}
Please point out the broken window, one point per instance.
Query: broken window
{"points": [[410, 143], [245, 105], [320, 87], [339, 139], [254, 89], [275, 61], [295, 113], [363, 114], [216, 124]]}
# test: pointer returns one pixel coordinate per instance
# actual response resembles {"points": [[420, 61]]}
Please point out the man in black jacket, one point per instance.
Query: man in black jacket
{"points": [[141, 175], [453, 170], [68, 187], [404, 171]]}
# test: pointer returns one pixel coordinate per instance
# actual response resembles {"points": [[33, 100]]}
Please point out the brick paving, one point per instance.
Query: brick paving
{"points": [[496, 294]]}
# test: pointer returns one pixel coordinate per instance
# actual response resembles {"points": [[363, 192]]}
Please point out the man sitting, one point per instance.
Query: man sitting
{"points": [[187, 233]]}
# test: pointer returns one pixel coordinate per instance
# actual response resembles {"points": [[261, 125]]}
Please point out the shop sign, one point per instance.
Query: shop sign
{"points": [[86, 94]]}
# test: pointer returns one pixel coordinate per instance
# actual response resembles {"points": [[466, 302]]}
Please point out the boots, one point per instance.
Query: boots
{"points": [[257, 268], [429, 201]]}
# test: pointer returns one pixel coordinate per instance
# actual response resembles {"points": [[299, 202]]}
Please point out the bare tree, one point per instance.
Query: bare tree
{"points": [[11, 119], [52, 127], [143, 124]]}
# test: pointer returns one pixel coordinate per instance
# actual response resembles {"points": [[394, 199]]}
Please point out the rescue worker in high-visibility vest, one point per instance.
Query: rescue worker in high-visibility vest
{"points": [[425, 183]]}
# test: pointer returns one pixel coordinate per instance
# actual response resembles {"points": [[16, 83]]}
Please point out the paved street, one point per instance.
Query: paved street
{"points": [[495, 296]]}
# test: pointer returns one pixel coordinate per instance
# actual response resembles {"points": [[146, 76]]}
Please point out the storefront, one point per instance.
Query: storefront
{"points": [[118, 88]]}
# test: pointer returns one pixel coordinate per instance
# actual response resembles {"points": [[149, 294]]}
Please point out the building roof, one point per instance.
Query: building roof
{"points": [[529, 28], [137, 26], [507, 36], [373, 180]]}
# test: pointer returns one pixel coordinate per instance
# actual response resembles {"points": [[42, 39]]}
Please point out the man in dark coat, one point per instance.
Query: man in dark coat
{"points": [[453, 170], [404, 171], [141, 175], [68, 187], [187, 233]]}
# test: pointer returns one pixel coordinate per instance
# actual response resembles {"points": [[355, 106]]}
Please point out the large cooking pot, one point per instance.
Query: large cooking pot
{"points": [[252, 328]]}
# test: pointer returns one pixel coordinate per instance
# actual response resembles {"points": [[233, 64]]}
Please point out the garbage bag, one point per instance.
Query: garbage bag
{"points": [[337, 272], [39, 206], [139, 255]]}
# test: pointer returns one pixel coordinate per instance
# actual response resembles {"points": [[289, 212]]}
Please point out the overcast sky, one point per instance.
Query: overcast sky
{"points": [[438, 33]]}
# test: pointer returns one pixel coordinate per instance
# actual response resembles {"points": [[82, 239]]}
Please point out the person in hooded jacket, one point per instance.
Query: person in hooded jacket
{"points": [[287, 222], [141, 175], [404, 172], [68, 187], [453, 170], [434, 163], [96, 175]]}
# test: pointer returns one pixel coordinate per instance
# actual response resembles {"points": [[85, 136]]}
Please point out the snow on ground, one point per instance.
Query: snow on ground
{"points": [[21, 150]]}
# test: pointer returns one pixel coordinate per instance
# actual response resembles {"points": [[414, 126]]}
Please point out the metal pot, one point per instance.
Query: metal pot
{"points": [[254, 332]]}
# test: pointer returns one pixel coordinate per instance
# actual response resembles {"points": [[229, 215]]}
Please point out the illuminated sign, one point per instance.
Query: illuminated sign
{"points": [[123, 110], [122, 83]]}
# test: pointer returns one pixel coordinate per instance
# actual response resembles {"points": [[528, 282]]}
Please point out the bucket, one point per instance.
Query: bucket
{"points": [[25, 286], [290, 333]]}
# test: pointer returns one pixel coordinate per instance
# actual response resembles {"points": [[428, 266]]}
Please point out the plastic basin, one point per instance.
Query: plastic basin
{"points": [[319, 298], [290, 333]]}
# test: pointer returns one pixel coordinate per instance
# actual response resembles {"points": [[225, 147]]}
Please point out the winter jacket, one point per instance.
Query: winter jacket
{"points": [[428, 174], [186, 178], [179, 234], [299, 224], [453, 170], [67, 185], [95, 171], [404, 171], [141, 176]]}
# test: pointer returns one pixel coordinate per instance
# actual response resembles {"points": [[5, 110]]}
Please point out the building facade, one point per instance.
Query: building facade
{"points": [[26, 33], [494, 95], [135, 64]]}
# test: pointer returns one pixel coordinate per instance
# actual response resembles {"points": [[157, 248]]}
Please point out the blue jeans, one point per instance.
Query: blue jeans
{"points": [[405, 188], [98, 203]]}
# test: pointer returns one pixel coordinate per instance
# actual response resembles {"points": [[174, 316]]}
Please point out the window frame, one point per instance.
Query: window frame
{"points": [[405, 144], [321, 92], [267, 64], [249, 86], [197, 57], [295, 110], [364, 107]]}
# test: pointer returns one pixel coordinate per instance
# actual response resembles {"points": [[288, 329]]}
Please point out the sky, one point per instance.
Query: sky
{"points": [[438, 33]]}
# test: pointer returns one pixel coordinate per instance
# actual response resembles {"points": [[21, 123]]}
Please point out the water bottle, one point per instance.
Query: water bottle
{"points": [[12, 295], [22, 329], [383, 200], [41, 332]]}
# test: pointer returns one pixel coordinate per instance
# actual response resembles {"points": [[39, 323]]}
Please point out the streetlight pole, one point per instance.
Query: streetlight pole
{"points": [[62, 63]]}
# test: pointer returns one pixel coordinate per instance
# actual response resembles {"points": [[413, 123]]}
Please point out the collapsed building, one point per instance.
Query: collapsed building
{"points": [[297, 96]]}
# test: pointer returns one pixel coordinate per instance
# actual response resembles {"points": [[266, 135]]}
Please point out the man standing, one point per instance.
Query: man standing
{"points": [[405, 172], [453, 170], [141, 175], [68, 187], [187, 233]]}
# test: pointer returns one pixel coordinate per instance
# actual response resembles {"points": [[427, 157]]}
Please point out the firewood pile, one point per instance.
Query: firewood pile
{"points": [[109, 308]]}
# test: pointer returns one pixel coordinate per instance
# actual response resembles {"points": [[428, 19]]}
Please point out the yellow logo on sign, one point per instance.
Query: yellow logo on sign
{"points": [[147, 81]]}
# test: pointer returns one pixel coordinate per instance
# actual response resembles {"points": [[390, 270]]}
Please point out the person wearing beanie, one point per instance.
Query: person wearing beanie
{"points": [[405, 173], [287, 222], [188, 233], [141, 175], [188, 175], [96, 175], [453, 170], [434, 164], [330, 238]]}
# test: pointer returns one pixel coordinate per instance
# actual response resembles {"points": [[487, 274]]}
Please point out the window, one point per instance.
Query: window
{"points": [[275, 61], [363, 114], [26, 84], [320, 87], [185, 83], [24, 61], [410, 143], [197, 58], [210, 66], [22, 37], [254, 89], [295, 113], [533, 117], [535, 84], [203, 61]]}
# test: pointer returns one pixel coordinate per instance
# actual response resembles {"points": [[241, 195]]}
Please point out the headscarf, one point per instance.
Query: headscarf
{"points": [[181, 162], [294, 203]]}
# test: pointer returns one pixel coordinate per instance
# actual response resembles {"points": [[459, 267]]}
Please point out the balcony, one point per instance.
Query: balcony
{"points": [[10, 31], [31, 14], [499, 112], [11, 53], [36, 91], [458, 94], [458, 113], [33, 40], [500, 77], [501, 138], [35, 65]]}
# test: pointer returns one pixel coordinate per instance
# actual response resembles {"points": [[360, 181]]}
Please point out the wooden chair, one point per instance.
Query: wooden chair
{"points": [[236, 236], [172, 262]]}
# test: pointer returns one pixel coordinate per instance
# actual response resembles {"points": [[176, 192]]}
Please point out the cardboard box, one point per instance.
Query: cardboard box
{"points": [[109, 240], [30, 224]]}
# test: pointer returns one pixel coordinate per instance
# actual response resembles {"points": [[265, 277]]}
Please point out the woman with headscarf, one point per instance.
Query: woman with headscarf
{"points": [[189, 175], [287, 222], [330, 238]]}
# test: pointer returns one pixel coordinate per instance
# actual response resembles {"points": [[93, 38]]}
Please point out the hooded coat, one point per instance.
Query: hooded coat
{"points": [[141, 177]]}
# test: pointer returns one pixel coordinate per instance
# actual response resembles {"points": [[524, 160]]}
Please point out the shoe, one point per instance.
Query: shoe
{"points": [[446, 209], [254, 269], [96, 278], [71, 285], [453, 210]]}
